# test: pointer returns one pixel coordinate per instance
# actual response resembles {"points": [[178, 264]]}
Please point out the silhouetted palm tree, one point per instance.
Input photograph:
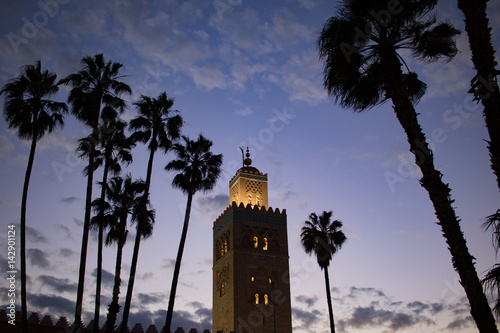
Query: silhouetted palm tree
{"points": [[28, 109], [124, 197], [112, 148], [363, 69], [492, 278], [324, 238], [484, 84], [160, 126], [97, 85], [199, 170]]}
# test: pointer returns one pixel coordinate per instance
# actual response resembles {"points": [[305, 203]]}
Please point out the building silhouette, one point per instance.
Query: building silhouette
{"points": [[251, 285]]}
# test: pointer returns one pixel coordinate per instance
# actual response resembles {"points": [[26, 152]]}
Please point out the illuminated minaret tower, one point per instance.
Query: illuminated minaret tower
{"points": [[251, 286]]}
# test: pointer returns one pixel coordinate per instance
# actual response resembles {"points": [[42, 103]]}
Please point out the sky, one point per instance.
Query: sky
{"points": [[246, 73]]}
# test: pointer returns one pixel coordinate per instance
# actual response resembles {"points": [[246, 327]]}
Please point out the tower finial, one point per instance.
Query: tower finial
{"points": [[248, 160], [242, 156]]}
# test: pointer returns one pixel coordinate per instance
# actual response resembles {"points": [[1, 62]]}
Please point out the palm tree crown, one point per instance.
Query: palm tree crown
{"points": [[26, 106], [96, 84], [322, 237], [198, 167], [357, 42], [156, 122]]}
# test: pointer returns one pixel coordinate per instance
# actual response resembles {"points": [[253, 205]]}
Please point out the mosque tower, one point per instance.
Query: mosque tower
{"points": [[251, 285]]}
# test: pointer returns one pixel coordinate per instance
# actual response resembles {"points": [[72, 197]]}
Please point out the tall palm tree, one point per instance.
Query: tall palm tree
{"points": [[160, 126], [363, 69], [124, 197], [324, 238], [199, 170], [112, 148], [97, 85], [484, 84], [29, 109]]}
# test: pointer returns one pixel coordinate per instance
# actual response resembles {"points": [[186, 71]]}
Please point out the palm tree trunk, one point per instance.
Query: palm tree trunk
{"points": [[114, 307], [99, 254], [177, 268], [439, 194], [85, 239], [483, 58], [29, 168], [329, 300], [135, 254]]}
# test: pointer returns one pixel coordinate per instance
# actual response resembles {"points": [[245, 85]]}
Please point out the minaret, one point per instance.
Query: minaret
{"points": [[251, 286]]}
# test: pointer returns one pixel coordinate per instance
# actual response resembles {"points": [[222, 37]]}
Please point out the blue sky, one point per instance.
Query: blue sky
{"points": [[247, 73]]}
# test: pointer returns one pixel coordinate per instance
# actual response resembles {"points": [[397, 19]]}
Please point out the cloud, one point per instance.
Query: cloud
{"points": [[306, 317], [5, 145], [64, 229], [417, 306], [168, 263], [52, 304], [355, 292], [460, 323], [38, 258], [69, 200], [215, 203], [67, 253], [246, 111], [151, 298], [180, 318], [107, 278], [35, 236], [310, 301], [373, 308], [58, 285]]}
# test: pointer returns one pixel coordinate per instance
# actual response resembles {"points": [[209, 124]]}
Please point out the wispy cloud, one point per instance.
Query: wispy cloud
{"points": [[56, 284], [38, 258]]}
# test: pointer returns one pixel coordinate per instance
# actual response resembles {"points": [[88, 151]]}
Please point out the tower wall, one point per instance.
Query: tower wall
{"points": [[255, 268]]}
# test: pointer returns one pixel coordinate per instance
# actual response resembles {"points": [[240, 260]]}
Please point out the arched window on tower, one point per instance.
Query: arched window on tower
{"points": [[258, 201], [264, 246], [255, 242], [256, 298], [266, 299], [225, 246]]}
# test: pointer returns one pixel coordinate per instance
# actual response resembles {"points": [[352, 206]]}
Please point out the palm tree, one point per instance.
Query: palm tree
{"points": [[112, 148], [160, 126], [363, 69], [199, 170], [97, 85], [28, 109], [324, 238], [492, 278], [484, 84], [124, 196]]}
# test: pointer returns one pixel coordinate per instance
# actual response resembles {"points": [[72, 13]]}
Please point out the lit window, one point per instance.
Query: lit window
{"points": [[265, 244], [225, 246], [253, 279], [266, 299], [256, 298], [222, 289], [255, 242], [249, 200], [258, 201], [270, 281]]}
